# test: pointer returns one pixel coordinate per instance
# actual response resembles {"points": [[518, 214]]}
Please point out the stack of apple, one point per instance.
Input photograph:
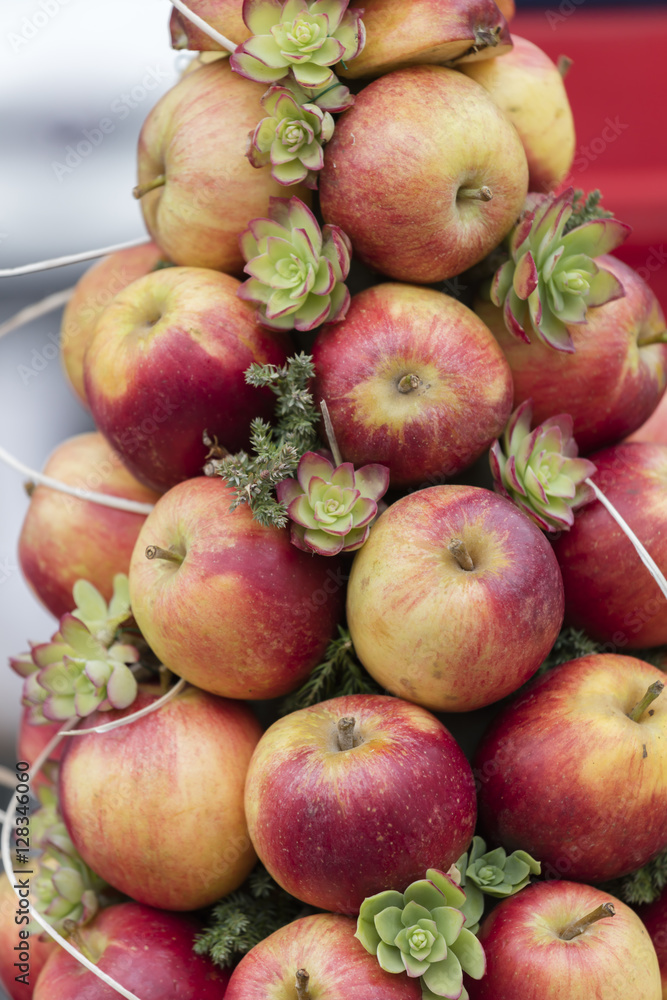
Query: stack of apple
{"points": [[455, 596]]}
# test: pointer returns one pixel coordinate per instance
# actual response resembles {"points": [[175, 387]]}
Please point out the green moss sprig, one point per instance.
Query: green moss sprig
{"points": [[586, 208], [340, 673]]}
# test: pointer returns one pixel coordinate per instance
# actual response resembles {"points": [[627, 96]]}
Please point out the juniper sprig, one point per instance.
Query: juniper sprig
{"points": [[586, 208]]}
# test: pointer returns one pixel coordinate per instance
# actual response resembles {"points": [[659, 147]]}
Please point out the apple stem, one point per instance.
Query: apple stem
{"points": [[564, 65], [72, 933], [302, 980], [409, 383], [458, 549], [30, 486], [654, 690], [483, 193], [485, 37], [155, 552], [579, 926], [346, 732], [331, 437], [141, 189]]}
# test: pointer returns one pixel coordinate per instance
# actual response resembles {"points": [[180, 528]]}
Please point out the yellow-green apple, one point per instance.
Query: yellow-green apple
{"points": [[356, 795], [614, 379], [655, 428], [454, 174], [559, 939], [608, 590], [32, 739], [94, 291], [156, 807], [224, 16], [575, 770], [228, 603], [654, 918], [413, 380], [145, 950], [336, 966], [198, 191], [455, 599], [529, 88], [402, 34], [167, 361], [65, 539], [22, 952]]}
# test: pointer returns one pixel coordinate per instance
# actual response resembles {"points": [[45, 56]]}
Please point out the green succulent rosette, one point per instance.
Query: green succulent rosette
{"points": [[420, 932], [331, 509], [494, 872], [290, 139], [298, 37], [540, 470], [297, 271], [102, 619], [551, 278]]}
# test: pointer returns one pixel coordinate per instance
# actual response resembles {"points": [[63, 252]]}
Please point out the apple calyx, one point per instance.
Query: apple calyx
{"points": [[483, 193], [73, 934], [156, 552], [409, 383], [302, 980], [458, 549], [345, 732], [654, 690], [579, 926], [141, 189]]}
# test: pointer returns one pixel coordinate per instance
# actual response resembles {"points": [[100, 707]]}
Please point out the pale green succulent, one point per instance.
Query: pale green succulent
{"points": [[539, 470], [291, 138], [420, 932], [90, 607], [551, 279], [494, 873]]}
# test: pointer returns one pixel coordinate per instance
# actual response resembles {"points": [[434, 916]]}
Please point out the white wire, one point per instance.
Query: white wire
{"points": [[74, 258], [126, 720], [40, 308], [104, 499], [7, 777], [203, 26], [648, 561]]}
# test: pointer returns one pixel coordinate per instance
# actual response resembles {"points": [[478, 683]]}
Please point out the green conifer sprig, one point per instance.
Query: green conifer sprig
{"points": [[276, 450], [573, 643], [642, 886], [586, 207], [245, 917], [339, 674]]}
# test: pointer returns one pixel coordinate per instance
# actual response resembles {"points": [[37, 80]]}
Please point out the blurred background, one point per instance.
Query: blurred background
{"points": [[67, 64]]}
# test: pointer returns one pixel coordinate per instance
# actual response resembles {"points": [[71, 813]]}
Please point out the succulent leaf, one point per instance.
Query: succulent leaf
{"points": [[290, 138], [539, 470], [493, 872], [552, 271]]}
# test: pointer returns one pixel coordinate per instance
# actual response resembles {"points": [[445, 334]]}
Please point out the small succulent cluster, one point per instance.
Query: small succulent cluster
{"points": [[331, 509], [539, 470], [297, 271], [551, 277], [66, 890], [492, 873], [82, 669], [420, 932], [290, 138]]}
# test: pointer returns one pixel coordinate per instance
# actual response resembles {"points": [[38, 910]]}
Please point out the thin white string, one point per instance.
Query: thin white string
{"points": [[206, 28], [8, 822], [648, 561], [104, 499], [126, 720], [7, 777], [74, 258], [40, 308]]}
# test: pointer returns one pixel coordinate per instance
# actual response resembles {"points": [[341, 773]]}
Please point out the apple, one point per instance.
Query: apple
{"points": [[198, 191], [409, 170], [223, 15], [147, 951], [401, 34], [22, 954], [655, 428], [32, 739], [615, 378], [356, 795], [156, 807], [575, 770], [64, 539], [529, 88], [608, 590], [94, 291], [654, 918], [338, 966], [531, 954], [455, 599], [227, 603], [413, 380], [167, 361], [507, 8]]}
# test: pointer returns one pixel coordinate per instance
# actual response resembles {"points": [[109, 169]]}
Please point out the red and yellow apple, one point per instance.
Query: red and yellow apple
{"points": [[356, 795], [455, 599], [412, 380], [575, 770], [425, 174], [222, 15], [655, 428], [156, 807], [64, 539], [654, 918]]}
